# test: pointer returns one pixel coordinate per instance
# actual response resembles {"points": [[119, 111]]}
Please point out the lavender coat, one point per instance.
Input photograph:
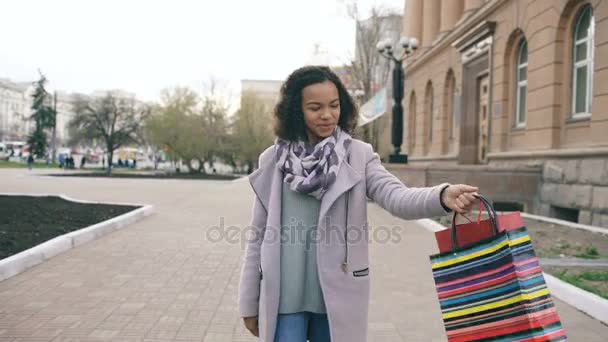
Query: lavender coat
{"points": [[346, 294]]}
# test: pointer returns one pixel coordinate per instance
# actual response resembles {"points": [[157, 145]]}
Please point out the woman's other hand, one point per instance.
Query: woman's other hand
{"points": [[251, 323], [459, 197]]}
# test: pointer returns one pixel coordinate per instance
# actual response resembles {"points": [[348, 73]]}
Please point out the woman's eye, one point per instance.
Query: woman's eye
{"points": [[336, 106], [314, 109]]}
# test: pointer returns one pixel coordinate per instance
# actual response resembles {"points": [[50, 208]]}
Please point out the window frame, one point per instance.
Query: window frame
{"points": [[519, 84], [587, 62], [431, 110]]}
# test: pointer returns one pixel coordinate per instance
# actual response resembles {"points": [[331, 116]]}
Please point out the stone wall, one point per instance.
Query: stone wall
{"points": [[580, 184], [501, 185]]}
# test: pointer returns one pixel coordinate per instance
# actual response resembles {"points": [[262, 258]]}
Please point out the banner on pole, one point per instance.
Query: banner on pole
{"points": [[374, 108]]}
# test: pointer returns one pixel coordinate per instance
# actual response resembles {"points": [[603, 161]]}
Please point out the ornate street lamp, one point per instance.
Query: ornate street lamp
{"points": [[407, 46]]}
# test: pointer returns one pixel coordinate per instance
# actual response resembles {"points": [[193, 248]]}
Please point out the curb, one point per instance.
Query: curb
{"points": [[594, 229], [587, 302], [21, 261], [239, 179]]}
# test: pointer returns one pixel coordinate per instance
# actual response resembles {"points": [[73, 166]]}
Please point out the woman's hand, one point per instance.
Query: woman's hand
{"points": [[459, 197], [251, 323]]}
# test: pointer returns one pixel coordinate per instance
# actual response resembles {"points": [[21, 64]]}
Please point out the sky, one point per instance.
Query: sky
{"points": [[145, 46]]}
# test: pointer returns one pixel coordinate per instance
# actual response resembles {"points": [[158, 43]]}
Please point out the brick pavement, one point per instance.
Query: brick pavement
{"points": [[161, 279]]}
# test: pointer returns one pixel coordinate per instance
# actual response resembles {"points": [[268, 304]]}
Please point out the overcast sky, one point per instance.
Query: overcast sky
{"points": [[144, 46]]}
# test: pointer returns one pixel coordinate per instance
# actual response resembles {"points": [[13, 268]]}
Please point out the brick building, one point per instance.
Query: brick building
{"points": [[511, 95]]}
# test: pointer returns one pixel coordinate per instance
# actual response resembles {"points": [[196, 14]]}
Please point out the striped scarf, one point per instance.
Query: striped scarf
{"points": [[312, 168]]}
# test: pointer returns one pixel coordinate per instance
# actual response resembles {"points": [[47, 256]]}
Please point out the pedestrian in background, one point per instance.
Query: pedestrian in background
{"points": [[30, 161]]}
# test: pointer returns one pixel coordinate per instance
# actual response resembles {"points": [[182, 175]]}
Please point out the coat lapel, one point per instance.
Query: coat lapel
{"points": [[268, 177], [347, 178]]}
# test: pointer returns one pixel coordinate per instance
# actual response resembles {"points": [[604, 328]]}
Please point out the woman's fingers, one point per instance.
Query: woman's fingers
{"points": [[472, 200], [463, 198], [251, 323], [467, 188], [471, 197], [459, 206]]}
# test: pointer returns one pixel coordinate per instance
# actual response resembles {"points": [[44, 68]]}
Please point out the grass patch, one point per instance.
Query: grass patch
{"points": [[589, 253], [29, 221], [594, 281], [17, 165], [554, 241]]}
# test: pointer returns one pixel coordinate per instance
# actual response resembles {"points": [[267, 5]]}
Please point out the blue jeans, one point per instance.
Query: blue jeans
{"points": [[302, 326]]}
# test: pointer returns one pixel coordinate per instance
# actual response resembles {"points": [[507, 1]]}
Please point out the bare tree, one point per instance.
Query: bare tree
{"points": [[368, 68], [214, 117], [112, 119]]}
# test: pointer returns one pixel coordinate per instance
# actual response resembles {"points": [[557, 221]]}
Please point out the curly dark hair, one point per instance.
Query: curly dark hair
{"points": [[288, 115]]}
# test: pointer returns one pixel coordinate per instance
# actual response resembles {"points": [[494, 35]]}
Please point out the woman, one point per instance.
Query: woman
{"points": [[315, 181]]}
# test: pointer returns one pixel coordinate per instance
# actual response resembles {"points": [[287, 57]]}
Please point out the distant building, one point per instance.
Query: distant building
{"points": [[65, 113], [119, 93], [267, 90], [16, 103], [15, 108]]}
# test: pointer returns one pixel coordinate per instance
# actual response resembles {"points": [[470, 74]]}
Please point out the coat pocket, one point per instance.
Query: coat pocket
{"points": [[361, 273]]}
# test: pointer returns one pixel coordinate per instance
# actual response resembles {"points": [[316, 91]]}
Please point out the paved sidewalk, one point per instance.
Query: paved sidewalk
{"points": [[162, 280]]}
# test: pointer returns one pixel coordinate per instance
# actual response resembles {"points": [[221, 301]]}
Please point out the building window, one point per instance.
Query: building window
{"points": [[454, 111], [522, 84], [450, 108], [412, 120], [582, 63], [429, 111]]}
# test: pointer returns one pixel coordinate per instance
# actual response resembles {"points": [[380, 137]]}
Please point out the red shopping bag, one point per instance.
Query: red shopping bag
{"points": [[473, 232]]}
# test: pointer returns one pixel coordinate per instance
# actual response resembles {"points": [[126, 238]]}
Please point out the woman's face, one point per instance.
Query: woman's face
{"points": [[321, 108]]}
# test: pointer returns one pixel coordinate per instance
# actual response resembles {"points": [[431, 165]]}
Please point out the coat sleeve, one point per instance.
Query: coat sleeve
{"points": [[249, 283], [395, 197]]}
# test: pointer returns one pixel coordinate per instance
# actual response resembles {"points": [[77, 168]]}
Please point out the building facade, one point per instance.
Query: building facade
{"points": [[267, 90], [15, 108], [512, 95]]}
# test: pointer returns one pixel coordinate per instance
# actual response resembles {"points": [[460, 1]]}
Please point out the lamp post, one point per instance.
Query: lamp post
{"points": [[385, 48]]}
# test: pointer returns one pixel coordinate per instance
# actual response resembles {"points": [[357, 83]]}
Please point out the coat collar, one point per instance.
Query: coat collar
{"points": [[268, 178]]}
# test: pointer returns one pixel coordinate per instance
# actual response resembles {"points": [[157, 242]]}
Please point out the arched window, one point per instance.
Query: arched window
{"points": [[429, 112], [582, 62], [521, 91], [412, 121], [451, 108]]}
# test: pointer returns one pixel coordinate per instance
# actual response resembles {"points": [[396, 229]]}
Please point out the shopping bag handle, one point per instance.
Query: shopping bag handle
{"points": [[493, 217]]}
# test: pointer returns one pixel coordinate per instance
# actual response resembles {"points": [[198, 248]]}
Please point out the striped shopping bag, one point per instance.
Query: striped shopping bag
{"points": [[492, 288]]}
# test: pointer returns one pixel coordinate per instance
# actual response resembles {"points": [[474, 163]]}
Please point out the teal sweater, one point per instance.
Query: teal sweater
{"points": [[300, 287]]}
